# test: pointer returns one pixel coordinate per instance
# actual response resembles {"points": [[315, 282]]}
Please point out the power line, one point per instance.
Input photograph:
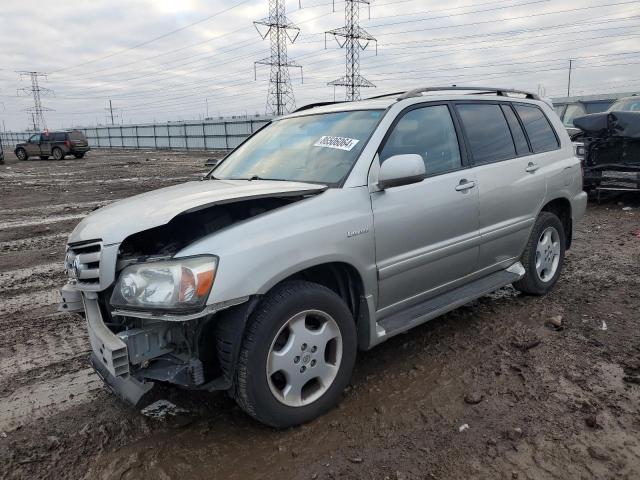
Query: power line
{"points": [[147, 42], [355, 38]]}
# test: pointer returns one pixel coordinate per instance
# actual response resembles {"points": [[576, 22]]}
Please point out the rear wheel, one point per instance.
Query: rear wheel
{"points": [[297, 355], [58, 154], [21, 153], [544, 256]]}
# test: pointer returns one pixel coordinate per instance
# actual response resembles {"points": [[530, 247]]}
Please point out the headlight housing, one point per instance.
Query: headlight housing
{"points": [[180, 285]]}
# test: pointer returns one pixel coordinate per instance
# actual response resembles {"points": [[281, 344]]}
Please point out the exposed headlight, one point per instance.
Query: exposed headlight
{"points": [[179, 285], [578, 150]]}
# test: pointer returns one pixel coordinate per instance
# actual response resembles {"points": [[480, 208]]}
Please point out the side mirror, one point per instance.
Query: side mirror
{"points": [[401, 170], [212, 162]]}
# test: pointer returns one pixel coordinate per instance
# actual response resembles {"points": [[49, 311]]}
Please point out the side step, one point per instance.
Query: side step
{"points": [[434, 307]]}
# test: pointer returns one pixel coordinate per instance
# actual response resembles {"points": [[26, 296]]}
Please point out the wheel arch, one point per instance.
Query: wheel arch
{"points": [[224, 333], [561, 208]]}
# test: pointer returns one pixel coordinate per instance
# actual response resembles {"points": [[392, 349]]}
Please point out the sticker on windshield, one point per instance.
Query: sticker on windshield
{"points": [[340, 143]]}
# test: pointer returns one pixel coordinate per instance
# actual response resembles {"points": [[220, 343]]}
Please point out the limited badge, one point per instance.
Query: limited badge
{"points": [[339, 143]]}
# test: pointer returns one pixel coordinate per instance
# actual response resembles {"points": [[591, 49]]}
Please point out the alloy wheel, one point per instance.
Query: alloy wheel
{"points": [[304, 358], [548, 254]]}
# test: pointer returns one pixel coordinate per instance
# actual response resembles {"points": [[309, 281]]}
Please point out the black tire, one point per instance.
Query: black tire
{"points": [[251, 386], [58, 154], [78, 155], [531, 283], [21, 153], [44, 157]]}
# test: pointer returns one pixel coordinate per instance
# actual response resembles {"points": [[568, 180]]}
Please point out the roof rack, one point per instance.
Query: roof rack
{"points": [[313, 105], [417, 92]]}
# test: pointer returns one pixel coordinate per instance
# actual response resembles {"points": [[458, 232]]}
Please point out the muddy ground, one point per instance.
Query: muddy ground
{"points": [[491, 390]]}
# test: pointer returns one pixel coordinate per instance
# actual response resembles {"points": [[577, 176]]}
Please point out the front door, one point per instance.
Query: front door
{"points": [[33, 145], [426, 233]]}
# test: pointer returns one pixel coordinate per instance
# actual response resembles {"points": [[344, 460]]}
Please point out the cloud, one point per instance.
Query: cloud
{"points": [[517, 43]]}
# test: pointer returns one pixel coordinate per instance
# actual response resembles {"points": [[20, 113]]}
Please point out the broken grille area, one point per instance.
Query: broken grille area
{"points": [[83, 262]]}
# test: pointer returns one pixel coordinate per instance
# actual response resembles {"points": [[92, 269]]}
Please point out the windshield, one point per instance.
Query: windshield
{"points": [[626, 105], [319, 148]]}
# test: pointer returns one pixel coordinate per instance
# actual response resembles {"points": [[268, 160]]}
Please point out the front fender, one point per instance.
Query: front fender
{"points": [[336, 226]]}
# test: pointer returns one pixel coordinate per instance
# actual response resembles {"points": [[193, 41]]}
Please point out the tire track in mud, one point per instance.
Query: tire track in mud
{"points": [[40, 221], [67, 182], [28, 301], [33, 243], [49, 396], [58, 207], [41, 275]]}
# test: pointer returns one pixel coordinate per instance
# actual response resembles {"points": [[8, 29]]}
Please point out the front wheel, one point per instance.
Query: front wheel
{"points": [[544, 256], [297, 355], [21, 153], [58, 154]]}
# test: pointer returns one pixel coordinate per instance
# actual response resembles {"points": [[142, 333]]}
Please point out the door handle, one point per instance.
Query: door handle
{"points": [[465, 185], [531, 167]]}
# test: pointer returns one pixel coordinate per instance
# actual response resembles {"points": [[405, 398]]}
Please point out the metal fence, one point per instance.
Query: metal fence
{"points": [[219, 134]]}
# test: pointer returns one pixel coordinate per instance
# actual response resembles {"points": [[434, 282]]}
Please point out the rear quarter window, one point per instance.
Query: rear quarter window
{"points": [[59, 137], [540, 132]]}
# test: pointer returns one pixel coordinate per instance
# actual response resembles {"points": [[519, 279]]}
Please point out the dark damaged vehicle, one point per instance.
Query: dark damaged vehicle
{"points": [[328, 231], [609, 146]]}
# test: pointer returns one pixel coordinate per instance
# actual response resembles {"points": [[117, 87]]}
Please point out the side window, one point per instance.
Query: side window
{"points": [[59, 137], [522, 147], [487, 132], [538, 128], [428, 132], [573, 111], [35, 138]]}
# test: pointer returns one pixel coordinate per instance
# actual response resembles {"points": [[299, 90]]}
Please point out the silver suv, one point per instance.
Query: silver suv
{"points": [[327, 232]]}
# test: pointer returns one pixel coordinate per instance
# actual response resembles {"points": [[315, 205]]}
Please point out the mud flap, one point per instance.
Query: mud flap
{"points": [[128, 389]]}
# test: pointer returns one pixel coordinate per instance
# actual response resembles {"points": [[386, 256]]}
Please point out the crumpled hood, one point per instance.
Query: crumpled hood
{"points": [[115, 222]]}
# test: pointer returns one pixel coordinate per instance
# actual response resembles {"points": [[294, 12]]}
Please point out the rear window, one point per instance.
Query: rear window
{"points": [[538, 128], [487, 132], [76, 135]]}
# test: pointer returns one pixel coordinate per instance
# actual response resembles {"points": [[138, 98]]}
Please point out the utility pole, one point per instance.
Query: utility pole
{"points": [[206, 101], [111, 111], [354, 38], [37, 111], [280, 98], [569, 81]]}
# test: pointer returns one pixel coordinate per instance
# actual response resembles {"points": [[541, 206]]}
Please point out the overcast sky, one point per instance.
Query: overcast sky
{"points": [[167, 60]]}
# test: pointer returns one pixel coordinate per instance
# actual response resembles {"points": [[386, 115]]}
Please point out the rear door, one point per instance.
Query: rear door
{"points": [[426, 233], [510, 185]]}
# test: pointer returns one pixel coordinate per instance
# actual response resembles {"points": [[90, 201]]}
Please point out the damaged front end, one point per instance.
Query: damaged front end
{"points": [[611, 150], [149, 312], [130, 353]]}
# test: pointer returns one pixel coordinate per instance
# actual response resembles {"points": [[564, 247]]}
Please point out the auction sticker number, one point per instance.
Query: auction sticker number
{"points": [[340, 143]]}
